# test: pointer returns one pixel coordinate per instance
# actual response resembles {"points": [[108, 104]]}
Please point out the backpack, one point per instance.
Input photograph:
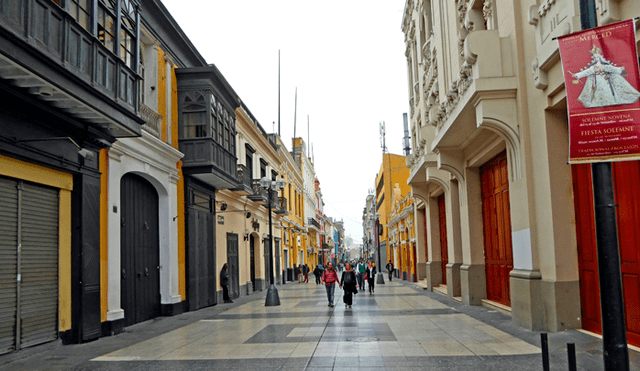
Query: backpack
{"points": [[348, 278]]}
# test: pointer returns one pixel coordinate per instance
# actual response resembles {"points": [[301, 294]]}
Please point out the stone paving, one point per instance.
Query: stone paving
{"points": [[400, 327]]}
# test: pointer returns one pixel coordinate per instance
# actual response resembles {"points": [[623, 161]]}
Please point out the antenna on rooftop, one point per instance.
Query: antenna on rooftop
{"points": [[407, 145], [295, 113], [382, 137]]}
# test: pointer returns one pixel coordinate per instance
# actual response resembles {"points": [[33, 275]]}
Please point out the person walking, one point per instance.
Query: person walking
{"points": [[224, 282], [360, 270], [390, 270], [299, 272], [371, 275], [329, 278], [318, 273], [349, 285], [305, 269]]}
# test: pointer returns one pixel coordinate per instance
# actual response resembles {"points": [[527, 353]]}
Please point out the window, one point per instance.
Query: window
{"points": [[80, 10], [127, 32], [106, 23], [194, 117]]}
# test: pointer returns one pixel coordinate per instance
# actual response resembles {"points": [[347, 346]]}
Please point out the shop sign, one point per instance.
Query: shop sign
{"points": [[600, 67]]}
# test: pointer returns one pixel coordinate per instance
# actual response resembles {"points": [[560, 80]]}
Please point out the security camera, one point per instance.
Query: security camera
{"points": [[89, 155]]}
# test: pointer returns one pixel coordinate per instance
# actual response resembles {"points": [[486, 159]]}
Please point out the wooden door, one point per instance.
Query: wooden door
{"points": [[252, 262], [233, 262], [497, 228], [626, 179], [139, 250], [443, 238]]}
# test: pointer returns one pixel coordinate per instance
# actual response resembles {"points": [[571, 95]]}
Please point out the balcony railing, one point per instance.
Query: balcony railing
{"points": [[243, 176], [259, 194], [314, 223], [211, 161], [152, 120]]}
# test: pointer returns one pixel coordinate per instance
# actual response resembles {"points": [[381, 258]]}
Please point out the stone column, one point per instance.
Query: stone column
{"points": [[473, 279], [454, 249]]}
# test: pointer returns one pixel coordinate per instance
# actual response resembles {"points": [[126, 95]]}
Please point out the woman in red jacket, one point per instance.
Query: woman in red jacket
{"points": [[329, 278]]}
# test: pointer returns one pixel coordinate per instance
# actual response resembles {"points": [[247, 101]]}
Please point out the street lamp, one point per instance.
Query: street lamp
{"points": [[270, 186], [380, 279]]}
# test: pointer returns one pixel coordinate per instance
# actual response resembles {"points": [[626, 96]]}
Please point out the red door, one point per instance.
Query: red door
{"points": [[443, 238], [626, 179], [497, 228], [415, 263]]}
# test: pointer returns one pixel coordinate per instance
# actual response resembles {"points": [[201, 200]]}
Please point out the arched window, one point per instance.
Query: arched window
{"points": [[194, 116]]}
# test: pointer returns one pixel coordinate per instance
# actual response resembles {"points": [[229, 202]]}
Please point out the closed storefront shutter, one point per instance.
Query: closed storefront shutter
{"points": [[8, 263], [29, 275], [39, 263]]}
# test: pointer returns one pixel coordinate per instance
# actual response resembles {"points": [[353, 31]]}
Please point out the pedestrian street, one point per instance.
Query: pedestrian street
{"points": [[399, 327]]}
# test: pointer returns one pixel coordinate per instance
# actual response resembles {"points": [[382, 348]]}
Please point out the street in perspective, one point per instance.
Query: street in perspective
{"points": [[399, 327]]}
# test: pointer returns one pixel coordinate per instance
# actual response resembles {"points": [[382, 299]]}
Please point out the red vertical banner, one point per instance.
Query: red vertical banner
{"points": [[602, 82]]}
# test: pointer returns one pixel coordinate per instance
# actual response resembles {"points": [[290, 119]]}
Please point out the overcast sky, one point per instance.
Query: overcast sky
{"points": [[346, 58]]}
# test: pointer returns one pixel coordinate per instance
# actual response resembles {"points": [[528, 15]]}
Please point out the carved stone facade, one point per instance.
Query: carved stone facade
{"points": [[474, 105]]}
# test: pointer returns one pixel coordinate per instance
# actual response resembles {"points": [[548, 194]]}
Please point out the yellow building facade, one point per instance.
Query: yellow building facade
{"points": [[393, 171]]}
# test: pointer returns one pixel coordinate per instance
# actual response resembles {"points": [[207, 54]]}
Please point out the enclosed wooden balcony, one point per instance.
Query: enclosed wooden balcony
{"points": [[45, 52], [206, 119]]}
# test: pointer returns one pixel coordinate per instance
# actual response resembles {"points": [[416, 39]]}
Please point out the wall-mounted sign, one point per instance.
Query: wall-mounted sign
{"points": [[220, 219], [600, 68]]}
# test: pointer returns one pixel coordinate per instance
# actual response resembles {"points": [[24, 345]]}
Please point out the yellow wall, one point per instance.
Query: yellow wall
{"points": [[38, 174]]}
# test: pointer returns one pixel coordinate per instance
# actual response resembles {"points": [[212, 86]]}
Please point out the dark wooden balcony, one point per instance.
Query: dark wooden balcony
{"points": [[209, 162], [280, 206], [44, 51], [259, 194], [243, 176]]}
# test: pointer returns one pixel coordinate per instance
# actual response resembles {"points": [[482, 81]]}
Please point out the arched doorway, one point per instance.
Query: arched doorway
{"points": [[139, 250]]}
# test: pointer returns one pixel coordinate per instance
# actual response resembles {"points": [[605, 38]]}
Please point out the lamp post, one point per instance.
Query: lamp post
{"points": [[270, 185], [380, 279]]}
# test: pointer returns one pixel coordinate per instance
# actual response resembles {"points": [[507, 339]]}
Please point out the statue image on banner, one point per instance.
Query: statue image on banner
{"points": [[605, 84]]}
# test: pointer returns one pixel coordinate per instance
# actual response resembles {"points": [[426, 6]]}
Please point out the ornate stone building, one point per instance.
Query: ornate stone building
{"points": [[508, 222]]}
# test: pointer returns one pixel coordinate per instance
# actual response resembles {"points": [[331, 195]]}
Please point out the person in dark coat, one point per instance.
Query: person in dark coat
{"points": [[370, 273], [305, 270], [224, 282], [390, 268], [318, 273], [349, 285]]}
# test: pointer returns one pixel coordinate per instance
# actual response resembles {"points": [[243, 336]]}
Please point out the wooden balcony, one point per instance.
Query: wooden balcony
{"points": [[280, 206], [259, 194], [243, 176], [44, 51], [209, 162]]}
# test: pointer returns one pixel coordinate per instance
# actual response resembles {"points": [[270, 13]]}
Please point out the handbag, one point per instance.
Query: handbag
{"points": [[366, 277]]}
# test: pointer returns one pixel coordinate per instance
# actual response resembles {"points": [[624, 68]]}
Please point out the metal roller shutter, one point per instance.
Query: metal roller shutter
{"points": [[8, 263], [29, 275], [39, 263]]}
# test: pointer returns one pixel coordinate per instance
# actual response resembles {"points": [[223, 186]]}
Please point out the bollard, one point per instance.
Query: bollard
{"points": [[571, 355], [545, 351]]}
